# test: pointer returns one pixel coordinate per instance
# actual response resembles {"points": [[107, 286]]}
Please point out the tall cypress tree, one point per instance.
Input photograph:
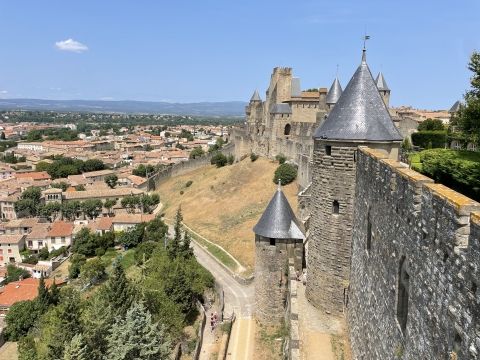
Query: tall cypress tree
{"points": [[43, 298], [137, 337], [118, 292], [174, 244], [76, 349]]}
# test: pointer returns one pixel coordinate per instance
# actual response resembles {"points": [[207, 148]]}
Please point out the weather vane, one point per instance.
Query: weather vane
{"points": [[365, 38]]}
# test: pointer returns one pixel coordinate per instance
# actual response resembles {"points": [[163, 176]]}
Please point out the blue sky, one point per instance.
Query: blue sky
{"points": [[186, 51]]}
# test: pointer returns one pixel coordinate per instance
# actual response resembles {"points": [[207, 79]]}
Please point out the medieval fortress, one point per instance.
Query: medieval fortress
{"points": [[384, 246]]}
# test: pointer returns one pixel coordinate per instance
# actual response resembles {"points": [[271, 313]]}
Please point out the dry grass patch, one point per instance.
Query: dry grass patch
{"points": [[223, 204]]}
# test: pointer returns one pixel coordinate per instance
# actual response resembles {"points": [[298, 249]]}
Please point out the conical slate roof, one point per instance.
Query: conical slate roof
{"points": [[381, 83], [455, 107], [334, 93], [255, 96], [278, 221], [360, 114]]}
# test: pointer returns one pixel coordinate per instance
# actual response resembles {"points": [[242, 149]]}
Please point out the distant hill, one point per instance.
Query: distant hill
{"points": [[227, 108]]}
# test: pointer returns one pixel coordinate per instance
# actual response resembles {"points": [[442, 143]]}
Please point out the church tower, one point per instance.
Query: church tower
{"points": [[383, 89], [278, 238], [359, 117]]}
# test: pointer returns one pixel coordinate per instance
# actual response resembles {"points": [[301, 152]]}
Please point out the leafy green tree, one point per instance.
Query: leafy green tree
{"points": [[196, 152], [156, 230], [20, 319], [54, 293], [76, 349], [148, 202], [230, 159], [43, 253], [130, 203], [111, 180], [406, 144], [431, 125], [133, 236], [137, 337], [29, 202], [92, 165], [286, 173], [64, 323], [51, 210], [219, 160], [43, 297], [15, 273], [144, 251], [76, 263], [93, 271], [71, 210], [92, 208], [281, 158], [80, 187], [26, 348], [109, 204], [60, 185], [253, 157]]}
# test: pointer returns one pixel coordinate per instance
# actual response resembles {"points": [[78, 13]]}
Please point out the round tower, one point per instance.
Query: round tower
{"points": [[359, 117], [278, 238], [333, 94]]}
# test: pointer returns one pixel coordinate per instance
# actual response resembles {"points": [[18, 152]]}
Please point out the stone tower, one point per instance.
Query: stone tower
{"points": [[383, 88], [254, 112], [360, 117], [334, 94], [278, 238]]}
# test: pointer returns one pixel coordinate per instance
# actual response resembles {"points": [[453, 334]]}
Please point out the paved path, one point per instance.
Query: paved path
{"points": [[239, 299]]}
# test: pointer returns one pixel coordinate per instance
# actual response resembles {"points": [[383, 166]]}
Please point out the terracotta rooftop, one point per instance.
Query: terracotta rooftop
{"points": [[36, 175], [11, 239], [88, 194], [39, 232], [132, 218], [22, 290], [104, 223], [61, 228]]}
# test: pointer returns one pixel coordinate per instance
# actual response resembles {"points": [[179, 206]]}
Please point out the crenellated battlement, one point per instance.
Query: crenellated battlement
{"points": [[405, 223]]}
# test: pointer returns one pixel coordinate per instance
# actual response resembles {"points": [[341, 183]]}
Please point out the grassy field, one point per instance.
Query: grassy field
{"points": [[223, 204]]}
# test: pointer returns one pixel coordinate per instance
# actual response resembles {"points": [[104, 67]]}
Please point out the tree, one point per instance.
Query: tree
{"points": [[76, 263], [60, 185], [76, 349], [80, 187], [26, 348], [109, 204], [29, 202], [118, 292], [137, 337], [406, 144], [253, 157], [230, 159], [148, 202], [186, 250], [43, 297], [51, 210], [111, 180], [196, 152], [93, 165], [84, 243], [219, 160], [173, 247], [281, 158], [2, 136], [15, 273], [286, 173], [92, 207], [431, 124], [156, 230], [130, 203], [71, 210], [93, 271], [20, 318], [54, 293], [133, 236]]}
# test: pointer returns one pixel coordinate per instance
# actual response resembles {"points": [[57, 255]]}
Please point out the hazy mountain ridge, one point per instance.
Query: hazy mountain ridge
{"points": [[227, 108]]}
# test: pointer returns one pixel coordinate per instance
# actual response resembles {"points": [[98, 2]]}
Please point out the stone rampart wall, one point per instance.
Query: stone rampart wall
{"points": [[415, 266]]}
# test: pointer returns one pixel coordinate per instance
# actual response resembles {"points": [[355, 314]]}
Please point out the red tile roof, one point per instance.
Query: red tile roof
{"points": [[22, 290], [61, 228], [36, 175]]}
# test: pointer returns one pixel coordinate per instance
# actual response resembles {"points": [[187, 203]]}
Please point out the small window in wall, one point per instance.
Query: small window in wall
{"points": [[369, 232], [335, 207], [287, 129], [403, 292], [328, 150], [272, 241]]}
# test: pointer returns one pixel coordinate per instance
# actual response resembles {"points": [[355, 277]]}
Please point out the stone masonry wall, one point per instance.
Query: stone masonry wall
{"points": [[271, 277], [400, 217], [328, 261]]}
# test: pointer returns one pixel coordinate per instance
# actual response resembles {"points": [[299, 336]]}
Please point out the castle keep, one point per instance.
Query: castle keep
{"points": [[396, 254]]}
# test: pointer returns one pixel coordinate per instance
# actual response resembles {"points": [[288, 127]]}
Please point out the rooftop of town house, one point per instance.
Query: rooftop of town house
{"points": [[132, 218], [60, 228], [11, 239], [101, 193], [39, 231], [35, 175], [22, 290]]}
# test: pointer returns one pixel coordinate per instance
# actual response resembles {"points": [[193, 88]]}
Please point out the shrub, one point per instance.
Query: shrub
{"points": [[181, 192], [431, 125], [189, 183], [286, 173], [253, 157], [430, 139], [230, 159], [281, 158], [43, 253], [219, 160]]}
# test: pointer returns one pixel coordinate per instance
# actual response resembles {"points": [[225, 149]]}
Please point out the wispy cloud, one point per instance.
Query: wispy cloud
{"points": [[106, 98], [3, 92], [71, 45]]}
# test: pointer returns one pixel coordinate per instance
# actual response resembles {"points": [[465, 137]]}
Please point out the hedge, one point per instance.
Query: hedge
{"points": [[459, 170], [430, 139], [286, 173]]}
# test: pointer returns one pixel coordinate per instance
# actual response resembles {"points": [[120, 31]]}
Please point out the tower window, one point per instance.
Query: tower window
{"points": [[287, 129], [272, 241], [336, 207], [403, 291], [328, 150]]}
